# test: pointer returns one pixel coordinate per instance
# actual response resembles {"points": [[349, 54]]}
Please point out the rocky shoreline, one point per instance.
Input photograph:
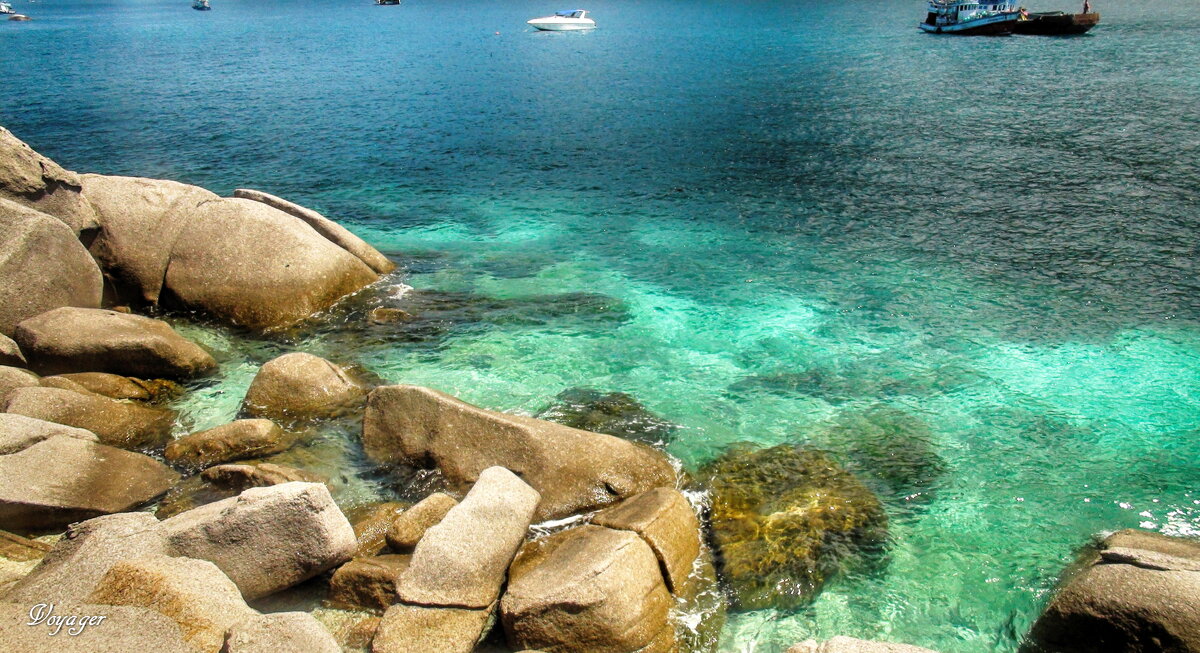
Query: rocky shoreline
{"points": [[571, 533]]}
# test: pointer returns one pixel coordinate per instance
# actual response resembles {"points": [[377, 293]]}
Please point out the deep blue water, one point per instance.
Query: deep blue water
{"points": [[799, 212]]}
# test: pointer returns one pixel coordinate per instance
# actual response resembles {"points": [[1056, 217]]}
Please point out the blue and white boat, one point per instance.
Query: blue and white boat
{"points": [[563, 21], [971, 17]]}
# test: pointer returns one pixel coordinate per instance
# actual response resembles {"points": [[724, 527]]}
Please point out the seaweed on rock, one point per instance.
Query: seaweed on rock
{"points": [[612, 413]]}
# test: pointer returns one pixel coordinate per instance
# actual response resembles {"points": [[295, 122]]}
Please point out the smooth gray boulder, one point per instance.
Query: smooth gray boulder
{"points": [[19, 432], [330, 230], [573, 470], [10, 353], [841, 644], [32, 180], [409, 527], [280, 632], [69, 339], [12, 378], [65, 479], [43, 265], [266, 539], [300, 386], [237, 440], [97, 629], [117, 423]]}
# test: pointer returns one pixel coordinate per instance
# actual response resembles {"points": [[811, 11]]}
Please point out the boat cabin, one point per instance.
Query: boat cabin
{"points": [[960, 11], [573, 13]]}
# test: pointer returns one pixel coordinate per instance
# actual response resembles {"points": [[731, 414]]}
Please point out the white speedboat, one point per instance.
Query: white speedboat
{"points": [[563, 21], [6, 8]]}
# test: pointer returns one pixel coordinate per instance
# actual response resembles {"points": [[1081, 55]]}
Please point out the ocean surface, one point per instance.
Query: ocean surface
{"points": [[764, 220]]}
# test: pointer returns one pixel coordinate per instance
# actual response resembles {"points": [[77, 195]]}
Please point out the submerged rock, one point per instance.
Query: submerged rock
{"points": [[573, 470], [118, 423], [371, 524], [300, 386], [842, 644], [613, 413], [240, 439], [783, 519]]}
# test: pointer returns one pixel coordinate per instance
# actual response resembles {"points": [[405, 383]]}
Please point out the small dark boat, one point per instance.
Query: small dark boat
{"points": [[1056, 23], [387, 2]]}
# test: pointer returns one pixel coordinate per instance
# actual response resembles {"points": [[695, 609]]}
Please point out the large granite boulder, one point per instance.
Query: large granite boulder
{"points": [[573, 470], [329, 229], [118, 423], [612, 413], [32, 180], [1138, 592], [237, 440], [587, 589], [64, 479], [96, 629], [94, 340], [12, 378], [194, 594], [280, 632], [409, 526], [419, 629], [43, 265], [301, 386], [841, 644], [462, 561], [10, 353], [18, 432], [665, 520], [266, 539], [367, 583], [783, 519]]}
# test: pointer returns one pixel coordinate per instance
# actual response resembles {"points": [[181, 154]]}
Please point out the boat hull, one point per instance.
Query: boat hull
{"points": [[991, 26], [561, 27], [1057, 24]]}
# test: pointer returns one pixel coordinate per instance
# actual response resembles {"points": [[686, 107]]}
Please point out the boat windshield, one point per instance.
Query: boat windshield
{"points": [[574, 13]]}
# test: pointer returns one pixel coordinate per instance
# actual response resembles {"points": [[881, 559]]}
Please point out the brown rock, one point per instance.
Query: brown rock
{"points": [[266, 539], [43, 264], [371, 525], [332, 231], [108, 629], [367, 583], [115, 386], [21, 549], [18, 432], [281, 632], [32, 180], [117, 423], [664, 519], [94, 340], [586, 589], [418, 629], [194, 594], [241, 477], [462, 561], [408, 528], [243, 438], [12, 378], [573, 470], [851, 645], [65, 479], [10, 353], [388, 315], [302, 386]]}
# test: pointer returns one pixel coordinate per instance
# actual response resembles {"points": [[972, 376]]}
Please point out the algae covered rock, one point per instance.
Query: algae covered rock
{"points": [[783, 519], [612, 413]]}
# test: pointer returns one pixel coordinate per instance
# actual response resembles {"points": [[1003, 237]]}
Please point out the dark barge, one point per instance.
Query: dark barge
{"points": [[1056, 23]]}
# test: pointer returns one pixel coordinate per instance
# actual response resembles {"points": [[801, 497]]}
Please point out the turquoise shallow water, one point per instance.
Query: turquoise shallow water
{"points": [[763, 220]]}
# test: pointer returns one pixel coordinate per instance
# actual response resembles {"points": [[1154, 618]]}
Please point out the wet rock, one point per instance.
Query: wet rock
{"points": [[664, 519], [240, 439], [32, 180], [194, 594], [301, 386], [573, 470], [851, 645], [121, 629], [21, 549], [43, 264], [462, 561], [242, 477], [587, 589], [783, 519], [281, 632], [191, 492], [613, 413], [367, 583], [332, 231], [701, 609], [71, 339], [10, 353], [409, 526], [371, 525], [64, 479], [71, 570], [1138, 592], [115, 386], [387, 315], [266, 539], [12, 378], [117, 423], [18, 432], [419, 629]]}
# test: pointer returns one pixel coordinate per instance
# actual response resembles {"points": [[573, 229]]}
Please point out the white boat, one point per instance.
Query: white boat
{"points": [[6, 8], [563, 21], [971, 17]]}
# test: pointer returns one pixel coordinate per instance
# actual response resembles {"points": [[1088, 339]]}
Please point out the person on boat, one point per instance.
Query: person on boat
{"points": [[1087, 7]]}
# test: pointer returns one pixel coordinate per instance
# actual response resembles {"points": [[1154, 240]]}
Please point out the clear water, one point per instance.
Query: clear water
{"points": [[780, 215]]}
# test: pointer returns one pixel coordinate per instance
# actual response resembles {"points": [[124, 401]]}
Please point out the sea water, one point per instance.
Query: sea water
{"points": [[761, 219]]}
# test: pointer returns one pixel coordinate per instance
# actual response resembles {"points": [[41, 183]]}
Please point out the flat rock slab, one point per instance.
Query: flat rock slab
{"points": [[237, 440], [117, 423], [409, 527], [94, 340], [842, 644], [462, 561], [664, 519], [574, 470], [266, 539], [280, 632], [586, 589], [18, 432], [65, 479], [367, 583], [417, 629], [300, 386], [108, 629]]}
